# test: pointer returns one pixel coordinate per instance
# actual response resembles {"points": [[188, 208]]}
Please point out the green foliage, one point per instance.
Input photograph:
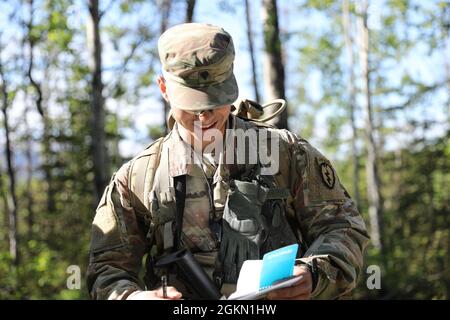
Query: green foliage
{"points": [[146, 79], [417, 226], [155, 132], [41, 273], [319, 4]]}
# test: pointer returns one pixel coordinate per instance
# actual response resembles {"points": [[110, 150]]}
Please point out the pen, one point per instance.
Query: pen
{"points": [[164, 286]]}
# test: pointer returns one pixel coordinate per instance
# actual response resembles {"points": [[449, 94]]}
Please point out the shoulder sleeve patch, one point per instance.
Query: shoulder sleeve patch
{"points": [[326, 173], [106, 231], [321, 183]]}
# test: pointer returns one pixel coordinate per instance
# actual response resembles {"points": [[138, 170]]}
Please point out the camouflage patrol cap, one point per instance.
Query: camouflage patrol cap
{"points": [[197, 62]]}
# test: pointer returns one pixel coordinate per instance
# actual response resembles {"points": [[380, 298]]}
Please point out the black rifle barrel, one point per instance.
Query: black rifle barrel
{"points": [[193, 273]]}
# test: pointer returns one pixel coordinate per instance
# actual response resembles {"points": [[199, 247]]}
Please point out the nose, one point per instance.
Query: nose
{"points": [[205, 115]]}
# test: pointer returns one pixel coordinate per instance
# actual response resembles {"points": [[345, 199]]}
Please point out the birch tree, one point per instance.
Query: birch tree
{"points": [[373, 181], [32, 37], [11, 196], [351, 96]]}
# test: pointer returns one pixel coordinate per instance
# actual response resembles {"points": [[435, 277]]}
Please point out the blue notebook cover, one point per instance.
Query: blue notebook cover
{"points": [[277, 265]]}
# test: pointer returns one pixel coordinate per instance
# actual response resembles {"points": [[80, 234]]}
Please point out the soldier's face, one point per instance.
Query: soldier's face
{"points": [[201, 127], [198, 128]]}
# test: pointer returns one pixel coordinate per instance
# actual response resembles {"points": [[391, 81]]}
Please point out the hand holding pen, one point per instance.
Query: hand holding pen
{"points": [[164, 286], [162, 293]]}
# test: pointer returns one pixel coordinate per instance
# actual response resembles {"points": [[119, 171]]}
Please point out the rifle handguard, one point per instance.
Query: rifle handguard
{"points": [[193, 273]]}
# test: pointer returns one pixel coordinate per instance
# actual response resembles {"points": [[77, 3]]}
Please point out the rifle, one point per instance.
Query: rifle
{"points": [[191, 272]]}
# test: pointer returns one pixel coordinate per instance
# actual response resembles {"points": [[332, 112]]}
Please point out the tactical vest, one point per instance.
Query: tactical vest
{"points": [[254, 218]]}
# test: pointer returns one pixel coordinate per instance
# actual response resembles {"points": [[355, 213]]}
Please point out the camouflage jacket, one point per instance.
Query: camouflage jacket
{"points": [[331, 230]]}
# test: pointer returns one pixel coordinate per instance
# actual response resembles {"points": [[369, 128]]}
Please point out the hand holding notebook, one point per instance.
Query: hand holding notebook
{"points": [[259, 277]]}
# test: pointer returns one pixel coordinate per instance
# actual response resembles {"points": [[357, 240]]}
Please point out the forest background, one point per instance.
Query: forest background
{"points": [[367, 83]]}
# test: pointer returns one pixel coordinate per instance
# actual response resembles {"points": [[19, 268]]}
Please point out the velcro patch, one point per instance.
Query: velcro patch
{"points": [[327, 174], [105, 233], [321, 181]]}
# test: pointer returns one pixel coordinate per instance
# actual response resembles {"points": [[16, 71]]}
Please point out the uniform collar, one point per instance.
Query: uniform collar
{"points": [[181, 155], [182, 159]]}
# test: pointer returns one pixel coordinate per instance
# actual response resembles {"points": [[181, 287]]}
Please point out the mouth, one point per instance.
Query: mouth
{"points": [[206, 127]]}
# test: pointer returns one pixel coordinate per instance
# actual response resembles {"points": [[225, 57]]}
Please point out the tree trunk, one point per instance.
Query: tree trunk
{"points": [[251, 49], [29, 177], [190, 10], [99, 151], [28, 140], [5, 207], [272, 60], [11, 196], [346, 21], [373, 182], [46, 143], [165, 13]]}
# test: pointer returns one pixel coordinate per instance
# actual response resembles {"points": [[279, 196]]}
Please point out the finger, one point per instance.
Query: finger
{"points": [[303, 296], [287, 293], [172, 293], [296, 290], [306, 296], [299, 270]]}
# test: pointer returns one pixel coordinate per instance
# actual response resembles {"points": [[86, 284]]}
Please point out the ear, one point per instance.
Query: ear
{"points": [[162, 87]]}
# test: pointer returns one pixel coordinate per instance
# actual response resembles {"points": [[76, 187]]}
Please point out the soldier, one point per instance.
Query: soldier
{"points": [[181, 193]]}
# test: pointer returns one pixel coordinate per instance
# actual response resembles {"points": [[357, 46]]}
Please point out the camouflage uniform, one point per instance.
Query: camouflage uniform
{"points": [[330, 231]]}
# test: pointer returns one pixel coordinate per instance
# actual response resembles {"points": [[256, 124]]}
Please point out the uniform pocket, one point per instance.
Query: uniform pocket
{"points": [[108, 229], [242, 209]]}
